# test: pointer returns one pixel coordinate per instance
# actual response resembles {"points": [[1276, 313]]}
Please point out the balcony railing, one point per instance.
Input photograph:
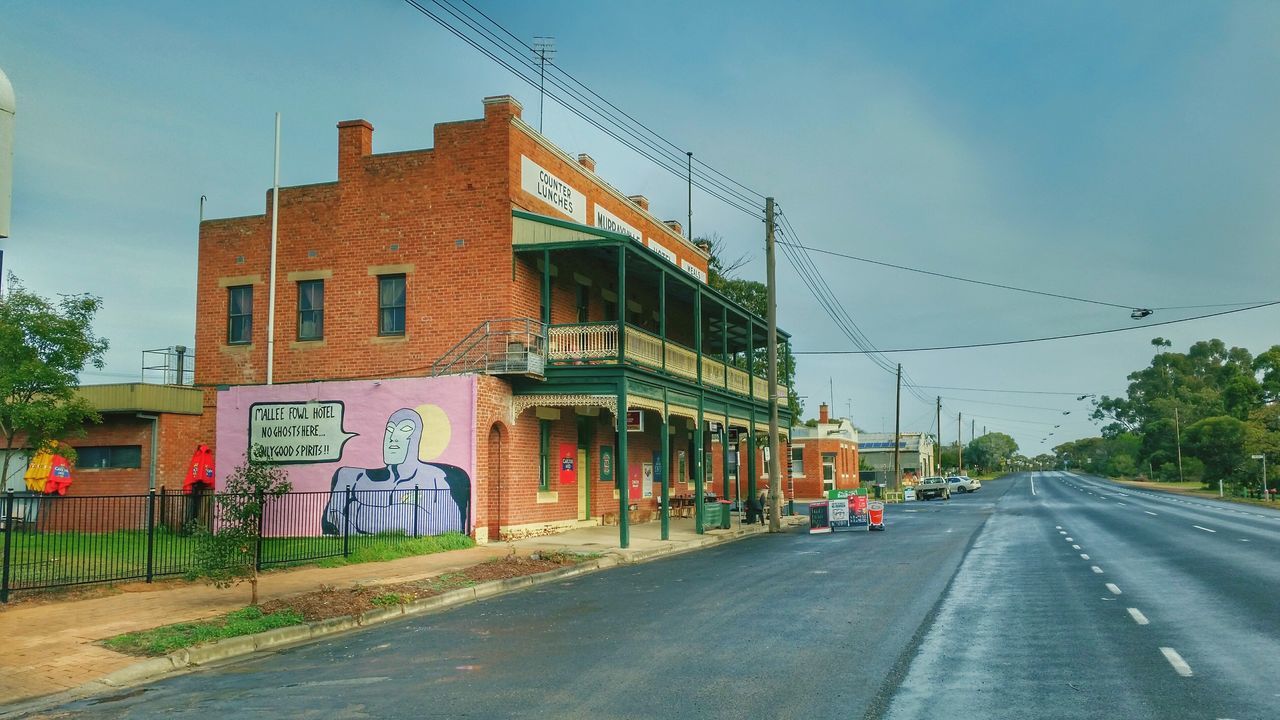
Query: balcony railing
{"points": [[591, 343]]}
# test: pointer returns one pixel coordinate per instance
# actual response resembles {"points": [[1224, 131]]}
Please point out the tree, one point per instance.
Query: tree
{"points": [[753, 296], [43, 348], [229, 553], [990, 451], [1219, 442]]}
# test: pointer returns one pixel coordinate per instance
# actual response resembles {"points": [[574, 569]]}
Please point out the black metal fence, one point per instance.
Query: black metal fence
{"points": [[53, 541]]}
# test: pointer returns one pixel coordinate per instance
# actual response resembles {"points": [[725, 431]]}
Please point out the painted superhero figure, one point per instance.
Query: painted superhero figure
{"points": [[406, 495]]}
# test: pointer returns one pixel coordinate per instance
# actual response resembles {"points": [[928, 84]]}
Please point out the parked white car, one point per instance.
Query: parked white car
{"points": [[963, 484]]}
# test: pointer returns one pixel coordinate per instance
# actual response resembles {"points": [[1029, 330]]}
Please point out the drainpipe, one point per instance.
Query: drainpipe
{"points": [[155, 432]]}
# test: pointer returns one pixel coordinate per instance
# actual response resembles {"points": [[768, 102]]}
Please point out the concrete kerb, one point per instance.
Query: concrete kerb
{"points": [[279, 638]]}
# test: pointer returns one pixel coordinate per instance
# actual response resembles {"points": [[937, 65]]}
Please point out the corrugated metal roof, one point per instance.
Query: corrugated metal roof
{"points": [[144, 397]]}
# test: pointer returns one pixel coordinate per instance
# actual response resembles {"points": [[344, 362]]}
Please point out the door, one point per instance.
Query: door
{"points": [[584, 482]]}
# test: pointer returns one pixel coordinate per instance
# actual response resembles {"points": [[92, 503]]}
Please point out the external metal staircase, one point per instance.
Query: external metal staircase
{"points": [[505, 346]]}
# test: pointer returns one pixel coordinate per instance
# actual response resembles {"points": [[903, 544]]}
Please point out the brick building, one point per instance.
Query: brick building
{"points": [[916, 457], [494, 305], [824, 457], [145, 440]]}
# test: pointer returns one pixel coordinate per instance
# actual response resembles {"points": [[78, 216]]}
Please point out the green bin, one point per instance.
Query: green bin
{"points": [[724, 515]]}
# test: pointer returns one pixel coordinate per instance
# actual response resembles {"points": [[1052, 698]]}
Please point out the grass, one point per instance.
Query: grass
{"points": [[381, 548], [1195, 487], [161, 640]]}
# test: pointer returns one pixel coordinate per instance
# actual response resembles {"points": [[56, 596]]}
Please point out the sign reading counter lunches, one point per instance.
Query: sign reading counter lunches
{"points": [[537, 181]]}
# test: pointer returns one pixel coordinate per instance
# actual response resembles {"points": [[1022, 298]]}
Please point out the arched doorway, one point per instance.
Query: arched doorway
{"points": [[496, 480]]}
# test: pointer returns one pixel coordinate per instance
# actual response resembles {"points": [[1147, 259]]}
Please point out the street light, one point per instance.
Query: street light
{"points": [[1263, 458]]}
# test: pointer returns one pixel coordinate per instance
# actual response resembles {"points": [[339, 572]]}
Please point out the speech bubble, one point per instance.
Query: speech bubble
{"points": [[296, 433]]}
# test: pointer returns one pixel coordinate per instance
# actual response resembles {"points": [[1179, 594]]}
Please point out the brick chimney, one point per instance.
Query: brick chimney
{"points": [[675, 226], [640, 200], [501, 107], [587, 161], [824, 415], [355, 141]]}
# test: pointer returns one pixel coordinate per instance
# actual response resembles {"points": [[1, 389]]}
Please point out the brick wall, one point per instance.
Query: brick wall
{"points": [[846, 465]]}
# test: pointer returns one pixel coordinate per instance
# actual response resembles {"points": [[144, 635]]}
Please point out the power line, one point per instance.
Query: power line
{"points": [[1040, 339], [992, 390], [986, 402], [520, 53]]}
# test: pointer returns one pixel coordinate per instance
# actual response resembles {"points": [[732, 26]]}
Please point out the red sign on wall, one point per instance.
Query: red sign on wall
{"points": [[633, 483], [568, 463]]}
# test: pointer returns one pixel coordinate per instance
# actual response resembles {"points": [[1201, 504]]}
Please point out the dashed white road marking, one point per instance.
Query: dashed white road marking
{"points": [[1148, 512], [1062, 532], [1083, 556], [1112, 587], [1243, 540], [1075, 547], [1179, 665], [1070, 539], [1096, 569], [1138, 617], [1204, 529], [1122, 504], [1057, 527]]}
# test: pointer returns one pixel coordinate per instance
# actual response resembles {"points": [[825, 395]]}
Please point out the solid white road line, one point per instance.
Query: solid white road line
{"points": [[1083, 556], [1204, 529], [1033, 484], [1148, 512], [1096, 569], [1179, 665], [1138, 617], [1112, 587]]}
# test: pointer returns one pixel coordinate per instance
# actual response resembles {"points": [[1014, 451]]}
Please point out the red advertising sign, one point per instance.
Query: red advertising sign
{"points": [[858, 504], [635, 420], [568, 463], [633, 483]]}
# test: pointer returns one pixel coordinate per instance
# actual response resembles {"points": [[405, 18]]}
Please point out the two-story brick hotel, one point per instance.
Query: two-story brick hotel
{"points": [[488, 316]]}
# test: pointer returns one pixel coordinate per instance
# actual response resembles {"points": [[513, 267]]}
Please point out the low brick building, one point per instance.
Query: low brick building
{"points": [[145, 440], [539, 340], [824, 457]]}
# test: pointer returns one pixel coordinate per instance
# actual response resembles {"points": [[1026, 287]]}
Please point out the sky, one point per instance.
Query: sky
{"points": [[1122, 152]]}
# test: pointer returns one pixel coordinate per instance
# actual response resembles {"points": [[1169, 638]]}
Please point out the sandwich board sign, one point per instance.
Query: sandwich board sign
{"points": [[819, 519]]}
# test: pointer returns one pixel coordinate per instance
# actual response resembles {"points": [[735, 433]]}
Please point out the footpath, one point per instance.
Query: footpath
{"points": [[50, 647]]}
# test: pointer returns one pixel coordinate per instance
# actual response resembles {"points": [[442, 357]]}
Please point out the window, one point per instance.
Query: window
{"points": [[828, 471], [584, 303], [610, 310], [797, 461], [311, 310], [544, 454], [239, 314], [391, 301], [109, 456]]}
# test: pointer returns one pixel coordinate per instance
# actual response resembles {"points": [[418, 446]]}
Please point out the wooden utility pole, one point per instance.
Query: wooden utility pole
{"points": [[1177, 432], [771, 312], [938, 423], [960, 441], [897, 434]]}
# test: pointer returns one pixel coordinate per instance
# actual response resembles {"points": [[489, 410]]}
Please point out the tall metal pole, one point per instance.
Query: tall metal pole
{"points": [[271, 291], [897, 434], [960, 442], [771, 316], [1177, 433], [689, 229]]}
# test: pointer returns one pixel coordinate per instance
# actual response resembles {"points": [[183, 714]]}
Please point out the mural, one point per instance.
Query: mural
{"points": [[383, 456]]}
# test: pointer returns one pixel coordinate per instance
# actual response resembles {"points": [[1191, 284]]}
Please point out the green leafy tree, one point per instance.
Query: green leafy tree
{"points": [[227, 554], [753, 296], [990, 451], [1219, 442], [43, 348]]}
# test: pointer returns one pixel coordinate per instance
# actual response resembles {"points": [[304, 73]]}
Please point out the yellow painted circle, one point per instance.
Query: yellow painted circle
{"points": [[436, 432]]}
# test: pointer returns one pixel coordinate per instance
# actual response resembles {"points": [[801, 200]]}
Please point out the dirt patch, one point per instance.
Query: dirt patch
{"points": [[330, 602]]}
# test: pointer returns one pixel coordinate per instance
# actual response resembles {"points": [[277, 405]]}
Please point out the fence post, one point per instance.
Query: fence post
{"points": [[346, 524], [262, 510], [151, 533], [417, 506], [8, 533]]}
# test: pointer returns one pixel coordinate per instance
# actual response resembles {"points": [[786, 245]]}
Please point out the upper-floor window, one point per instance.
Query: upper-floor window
{"points": [[310, 309], [584, 303], [239, 314], [109, 456], [391, 303], [797, 461]]}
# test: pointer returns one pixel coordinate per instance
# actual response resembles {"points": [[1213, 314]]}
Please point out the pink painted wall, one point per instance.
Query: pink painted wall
{"points": [[364, 433]]}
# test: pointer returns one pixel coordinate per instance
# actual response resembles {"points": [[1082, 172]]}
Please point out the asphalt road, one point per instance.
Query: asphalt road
{"points": [[789, 625], [986, 606], [1085, 599]]}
